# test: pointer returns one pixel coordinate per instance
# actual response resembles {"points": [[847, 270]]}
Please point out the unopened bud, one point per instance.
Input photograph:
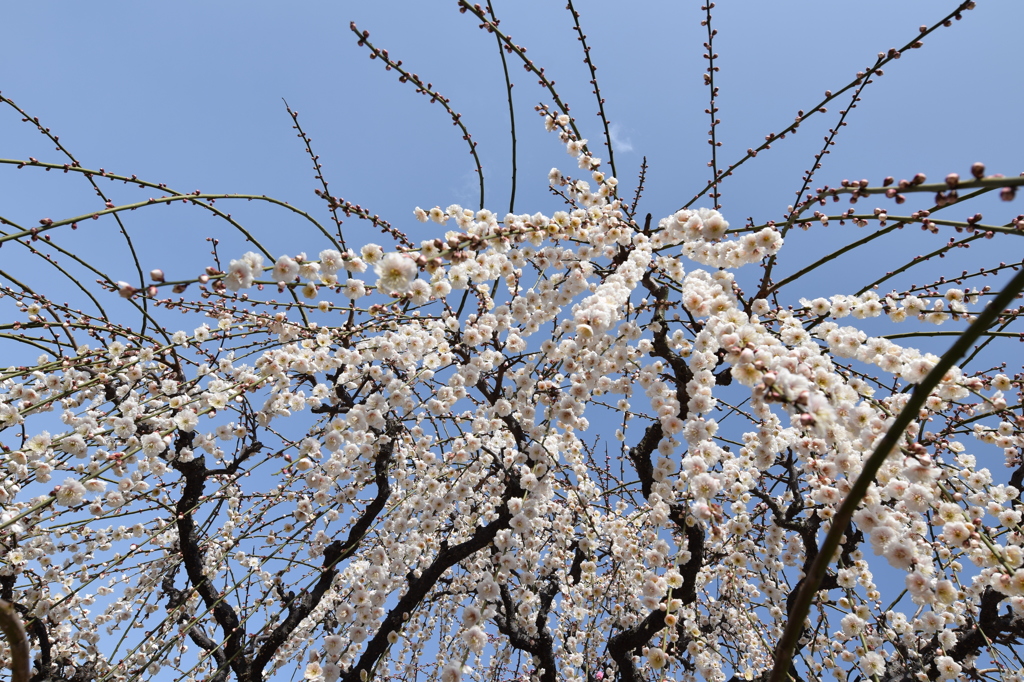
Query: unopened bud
{"points": [[156, 275]]}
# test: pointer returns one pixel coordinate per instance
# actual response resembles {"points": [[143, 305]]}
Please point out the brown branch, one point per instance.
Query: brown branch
{"points": [[419, 587], [176, 602], [300, 607], [989, 628], [541, 645], [425, 89], [17, 642], [195, 474]]}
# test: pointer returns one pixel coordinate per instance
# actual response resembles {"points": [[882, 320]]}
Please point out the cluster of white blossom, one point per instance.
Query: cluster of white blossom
{"points": [[354, 492], [701, 235]]}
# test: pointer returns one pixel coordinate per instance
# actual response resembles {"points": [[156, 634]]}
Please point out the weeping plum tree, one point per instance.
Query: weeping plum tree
{"points": [[583, 446]]}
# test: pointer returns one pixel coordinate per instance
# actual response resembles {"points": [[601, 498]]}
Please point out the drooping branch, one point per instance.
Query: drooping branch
{"points": [[195, 474], [175, 605], [17, 641], [419, 587], [989, 628], [425, 89], [802, 605], [539, 645], [300, 607], [588, 60]]}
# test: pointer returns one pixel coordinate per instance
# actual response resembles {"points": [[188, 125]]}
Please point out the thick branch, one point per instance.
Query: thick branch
{"points": [[540, 645], [419, 587], [640, 456], [990, 627], [17, 642], [622, 645], [302, 606], [176, 601], [195, 474]]}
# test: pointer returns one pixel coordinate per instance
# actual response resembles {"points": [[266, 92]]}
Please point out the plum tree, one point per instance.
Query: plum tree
{"points": [[587, 445]]}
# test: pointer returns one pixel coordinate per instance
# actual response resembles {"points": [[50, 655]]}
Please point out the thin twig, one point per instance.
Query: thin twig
{"points": [[593, 81], [511, 111], [425, 89]]}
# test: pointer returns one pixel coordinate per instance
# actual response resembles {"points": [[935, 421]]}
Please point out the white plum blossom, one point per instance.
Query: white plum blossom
{"points": [[475, 638], [354, 289], [240, 275], [331, 261], [285, 269], [396, 273], [70, 493]]}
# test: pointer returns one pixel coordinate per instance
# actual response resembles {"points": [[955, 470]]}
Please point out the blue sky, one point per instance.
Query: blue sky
{"points": [[193, 99]]}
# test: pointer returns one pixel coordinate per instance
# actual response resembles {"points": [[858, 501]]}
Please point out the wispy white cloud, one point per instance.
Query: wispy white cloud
{"points": [[467, 191], [619, 143]]}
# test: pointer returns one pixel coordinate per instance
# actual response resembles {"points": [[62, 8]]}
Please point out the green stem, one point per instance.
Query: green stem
{"points": [[809, 587]]}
